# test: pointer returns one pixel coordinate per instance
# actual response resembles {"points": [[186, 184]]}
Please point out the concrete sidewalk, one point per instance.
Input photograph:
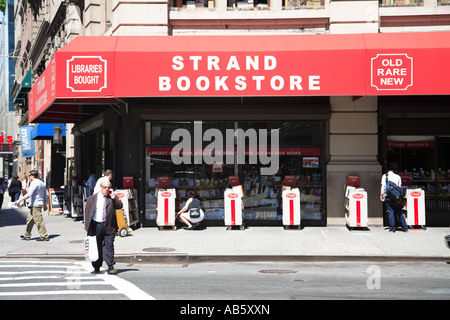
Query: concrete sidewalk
{"points": [[329, 243]]}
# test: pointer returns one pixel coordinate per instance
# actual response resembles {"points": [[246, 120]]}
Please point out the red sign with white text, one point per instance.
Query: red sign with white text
{"points": [[411, 144], [244, 66], [247, 151], [392, 72], [86, 74]]}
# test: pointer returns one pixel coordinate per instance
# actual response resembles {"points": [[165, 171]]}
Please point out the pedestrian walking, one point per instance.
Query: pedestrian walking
{"points": [[3, 187], [15, 188], [90, 183], [37, 193], [394, 206], [24, 188], [100, 221]]}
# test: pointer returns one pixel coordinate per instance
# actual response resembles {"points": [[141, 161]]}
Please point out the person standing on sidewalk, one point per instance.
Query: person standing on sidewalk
{"points": [[3, 187], [37, 193], [101, 221], [15, 188], [394, 206], [90, 183]]}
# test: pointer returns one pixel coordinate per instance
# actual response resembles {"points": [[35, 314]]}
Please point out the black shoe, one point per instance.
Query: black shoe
{"points": [[96, 270], [24, 238], [188, 228], [112, 271]]}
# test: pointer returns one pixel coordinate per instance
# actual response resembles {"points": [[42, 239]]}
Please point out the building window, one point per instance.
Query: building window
{"points": [[406, 3], [192, 4], [248, 4], [302, 4]]}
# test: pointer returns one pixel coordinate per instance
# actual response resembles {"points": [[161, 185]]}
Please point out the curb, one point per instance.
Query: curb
{"points": [[186, 259]]}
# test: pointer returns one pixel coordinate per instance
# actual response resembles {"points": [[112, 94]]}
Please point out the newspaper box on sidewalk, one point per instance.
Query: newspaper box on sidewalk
{"points": [[165, 209], [233, 209], [356, 208], [415, 208], [291, 208]]}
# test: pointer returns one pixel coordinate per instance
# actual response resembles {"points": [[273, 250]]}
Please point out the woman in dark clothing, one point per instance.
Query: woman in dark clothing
{"points": [[192, 212], [14, 189]]}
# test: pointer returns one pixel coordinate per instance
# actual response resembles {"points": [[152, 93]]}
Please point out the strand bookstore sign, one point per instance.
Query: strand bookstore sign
{"points": [[102, 69]]}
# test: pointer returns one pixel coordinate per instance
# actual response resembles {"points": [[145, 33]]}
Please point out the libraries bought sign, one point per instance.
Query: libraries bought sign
{"points": [[86, 74]]}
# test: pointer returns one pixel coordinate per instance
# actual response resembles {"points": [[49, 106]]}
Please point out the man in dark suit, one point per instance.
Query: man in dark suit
{"points": [[100, 221]]}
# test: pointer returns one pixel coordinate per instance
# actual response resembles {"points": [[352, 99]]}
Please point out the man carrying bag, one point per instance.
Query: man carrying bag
{"points": [[100, 221], [391, 194]]}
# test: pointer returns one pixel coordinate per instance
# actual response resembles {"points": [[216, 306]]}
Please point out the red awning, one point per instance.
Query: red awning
{"points": [[104, 70]]}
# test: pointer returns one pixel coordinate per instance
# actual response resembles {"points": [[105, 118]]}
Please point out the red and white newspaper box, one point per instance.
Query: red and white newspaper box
{"points": [[233, 208], [356, 205], [166, 208], [291, 207], [415, 207]]}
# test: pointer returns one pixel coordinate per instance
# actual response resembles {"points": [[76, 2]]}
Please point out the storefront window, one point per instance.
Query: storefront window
{"points": [[423, 162], [298, 165]]}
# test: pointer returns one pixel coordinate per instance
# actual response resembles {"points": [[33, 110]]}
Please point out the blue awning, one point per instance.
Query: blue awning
{"points": [[44, 131]]}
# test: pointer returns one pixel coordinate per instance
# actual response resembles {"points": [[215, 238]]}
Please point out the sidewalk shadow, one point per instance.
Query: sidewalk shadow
{"points": [[50, 236], [12, 217]]}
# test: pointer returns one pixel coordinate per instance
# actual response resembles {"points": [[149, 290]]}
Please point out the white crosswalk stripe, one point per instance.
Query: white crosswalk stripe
{"points": [[25, 279]]}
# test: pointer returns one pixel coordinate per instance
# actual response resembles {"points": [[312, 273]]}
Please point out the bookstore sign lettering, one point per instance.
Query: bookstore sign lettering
{"points": [[233, 74]]}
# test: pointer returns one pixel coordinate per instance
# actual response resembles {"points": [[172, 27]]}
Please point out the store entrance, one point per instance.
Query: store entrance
{"points": [[98, 149], [424, 162], [215, 158]]}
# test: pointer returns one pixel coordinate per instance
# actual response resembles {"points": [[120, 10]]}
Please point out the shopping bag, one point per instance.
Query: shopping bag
{"points": [[90, 249]]}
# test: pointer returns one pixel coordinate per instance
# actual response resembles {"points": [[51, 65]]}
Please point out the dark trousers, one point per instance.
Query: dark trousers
{"points": [[14, 195], [105, 245], [394, 209]]}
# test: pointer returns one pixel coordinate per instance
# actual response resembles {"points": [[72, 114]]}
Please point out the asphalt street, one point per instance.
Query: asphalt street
{"points": [[50, 279], [292, 281]]}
